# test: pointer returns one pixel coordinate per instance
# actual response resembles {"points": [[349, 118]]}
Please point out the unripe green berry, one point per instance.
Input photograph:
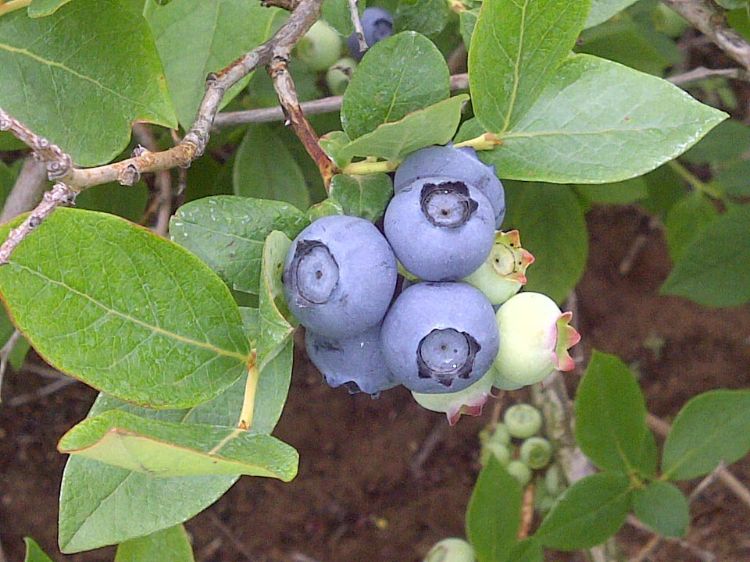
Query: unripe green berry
{"points": [[451, 550], [320, 47], [553, 480], [498, 450], [523, 420], [339, 75], [501, 434], [519, 471], [536, 452]]}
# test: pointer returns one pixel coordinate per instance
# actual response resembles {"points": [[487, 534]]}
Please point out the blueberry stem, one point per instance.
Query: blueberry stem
{"points": [[694, 181], [364, 167], [485, 141], [248, 402]]}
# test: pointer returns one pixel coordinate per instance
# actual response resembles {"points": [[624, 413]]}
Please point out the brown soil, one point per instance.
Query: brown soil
{"points": [[358, 496]]}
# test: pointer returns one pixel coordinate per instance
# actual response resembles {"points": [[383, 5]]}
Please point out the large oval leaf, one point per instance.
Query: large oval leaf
{"points": [[79, 86], [97, 500], [398, 75], [515, 49], [597, 122], [219, 31], [166, 449], [228, 233], [125, 311]]}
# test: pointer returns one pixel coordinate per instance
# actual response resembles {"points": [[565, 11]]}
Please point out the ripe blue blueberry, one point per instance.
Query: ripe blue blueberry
{"points": [[440, 228], [457, 163], [439, 337], [339, 276], [355, 362], [377, 24]]}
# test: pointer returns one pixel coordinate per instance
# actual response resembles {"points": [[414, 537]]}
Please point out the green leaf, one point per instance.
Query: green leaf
{"points": [[468, 21], [42, 8], [515, 51], [160, 328], [196, 37], [34, 552], [527, 550], [686, 220], [494, 513], [611, 418], [173, 541], [619, 193], [665, 190], [428, 17], [711, 428], [433, 125], [598, 122], [632, 42], [663, 507], [362, 196], [228, 233], [325, 208], [398, 75], [728, 141], [275, 329], [588, 513], [602, 10], [166, 449], [336, 13], [273, 388], [265, 169], [714, 270], [82, 76], [126, 202], [97, 500], [553, 229], [735, 179]]}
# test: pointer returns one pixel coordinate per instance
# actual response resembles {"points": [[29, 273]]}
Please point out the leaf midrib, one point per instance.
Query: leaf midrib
{"points": [[53, 64], [244, 358]]}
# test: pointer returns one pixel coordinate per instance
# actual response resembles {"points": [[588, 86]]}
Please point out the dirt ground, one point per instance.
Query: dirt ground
{"points": [[365, 490]]}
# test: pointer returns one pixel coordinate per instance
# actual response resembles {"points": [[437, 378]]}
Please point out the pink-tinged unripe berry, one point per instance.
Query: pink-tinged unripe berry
{"points": [[469, 401], [503, 273], [451, 550], [535, 337]]}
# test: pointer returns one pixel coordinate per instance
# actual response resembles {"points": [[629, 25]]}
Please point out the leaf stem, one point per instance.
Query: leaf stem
{"points": [[365, 167], [694, 181], [248, 403], [485, 141], [12, 5]]}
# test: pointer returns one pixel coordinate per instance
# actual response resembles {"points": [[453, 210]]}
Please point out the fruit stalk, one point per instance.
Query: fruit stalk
{"points": [[248, 402]]}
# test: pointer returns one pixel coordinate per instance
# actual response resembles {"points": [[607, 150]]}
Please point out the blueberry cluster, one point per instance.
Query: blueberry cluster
{"points": [[321, 47], [434, 328]]}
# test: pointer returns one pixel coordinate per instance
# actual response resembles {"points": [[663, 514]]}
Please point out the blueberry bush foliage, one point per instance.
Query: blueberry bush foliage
{"points": [[188, 337]]}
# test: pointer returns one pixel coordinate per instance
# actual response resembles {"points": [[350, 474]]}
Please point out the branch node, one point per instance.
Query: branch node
{"points": [[139, 150], [129, 175]]}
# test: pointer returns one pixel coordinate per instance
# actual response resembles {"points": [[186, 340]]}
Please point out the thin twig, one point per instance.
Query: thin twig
{"points": [[527, 512], [701, 73], [287, 94], [27, 190], [724, 475], [238, 544], [357, 24], [71, 180], [708, 18], [703, 555], [45, 390], [430, 443], [162, 202], [322, 105], [639, 242], [5, 352]]}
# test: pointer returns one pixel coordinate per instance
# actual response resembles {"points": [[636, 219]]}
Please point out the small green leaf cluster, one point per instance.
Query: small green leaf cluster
{"points": [[611, 429]]}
